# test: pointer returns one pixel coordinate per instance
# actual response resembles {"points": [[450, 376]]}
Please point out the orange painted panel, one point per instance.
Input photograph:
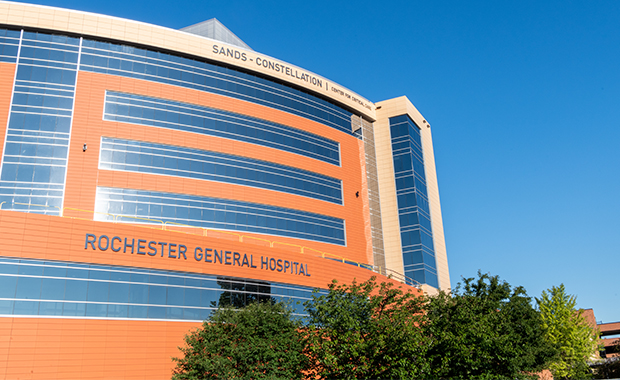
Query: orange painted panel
{"points": [[7, 77], [62, 348], [64, 239], [102, 349], [83, 175]]}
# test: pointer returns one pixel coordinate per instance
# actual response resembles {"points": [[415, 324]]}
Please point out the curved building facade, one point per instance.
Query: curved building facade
{"points": [[150, 175]]}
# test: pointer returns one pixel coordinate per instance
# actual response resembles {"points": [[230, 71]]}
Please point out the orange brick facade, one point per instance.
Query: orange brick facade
{"points": [[40, 348], [45, 348], [64, 270], [61, 347]]}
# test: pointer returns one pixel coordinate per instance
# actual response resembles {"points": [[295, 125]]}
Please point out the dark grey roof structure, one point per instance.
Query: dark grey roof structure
{"points": [[216, 30]]}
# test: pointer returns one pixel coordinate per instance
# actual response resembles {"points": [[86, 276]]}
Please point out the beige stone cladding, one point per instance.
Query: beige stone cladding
{"points": [[373, 209], [387, 187]]}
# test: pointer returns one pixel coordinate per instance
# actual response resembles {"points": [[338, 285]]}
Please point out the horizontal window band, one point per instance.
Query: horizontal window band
{"points": [[181, 296], [206, 212], [246, 79], [45, 85], [200, 110], [151, 158], [216, 204], [210, 121], [123, 60], [36, 161]]}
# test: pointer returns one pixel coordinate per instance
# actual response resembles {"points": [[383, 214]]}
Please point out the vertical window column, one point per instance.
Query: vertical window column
{"points": [[413, 207], [35, 154]]}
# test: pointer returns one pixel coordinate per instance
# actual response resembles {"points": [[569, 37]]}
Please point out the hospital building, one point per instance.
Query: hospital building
{"points": [[149, 175]]}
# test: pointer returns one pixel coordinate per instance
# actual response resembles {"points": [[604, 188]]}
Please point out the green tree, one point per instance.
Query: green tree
{"points": [[567, 328], [609, 368], [486, 330], [260, 341], [365, 330]]}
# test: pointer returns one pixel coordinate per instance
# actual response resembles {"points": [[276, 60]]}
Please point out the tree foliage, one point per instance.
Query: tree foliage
{"points": [[567, 328], [486, 330], [260, 341], [608, 368], [365, 330]]}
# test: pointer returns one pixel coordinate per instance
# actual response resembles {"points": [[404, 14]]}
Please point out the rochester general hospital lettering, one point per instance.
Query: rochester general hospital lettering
{"points": [[178, 251]]}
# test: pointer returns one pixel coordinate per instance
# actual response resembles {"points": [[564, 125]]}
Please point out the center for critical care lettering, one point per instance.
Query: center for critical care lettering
{"points": [[207, 255]]}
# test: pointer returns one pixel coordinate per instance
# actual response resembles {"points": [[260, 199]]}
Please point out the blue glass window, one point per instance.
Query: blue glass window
{"points": [[412, 197], [128, 61], [8, 285], [217, 213], [142, 157], [35, 159], [9, 45], [169, 114], [185, 296]]}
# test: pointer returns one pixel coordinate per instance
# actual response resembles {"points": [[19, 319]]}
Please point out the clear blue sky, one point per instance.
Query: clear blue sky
{"points": [[523, 98]]}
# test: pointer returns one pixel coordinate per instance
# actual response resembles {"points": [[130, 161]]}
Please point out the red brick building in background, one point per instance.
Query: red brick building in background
{"points": [[608, 332]]}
